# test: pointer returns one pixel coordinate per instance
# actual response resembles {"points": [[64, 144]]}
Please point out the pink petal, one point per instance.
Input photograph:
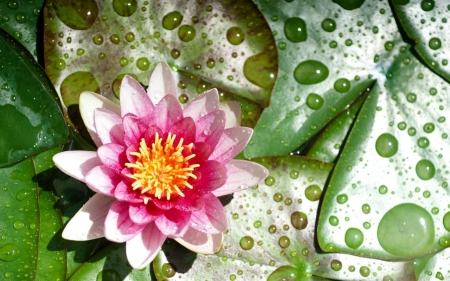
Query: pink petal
{"points": [[124, 192], [210, 128], [133, 128], [118, 225], [103, 180], [231, 143], [233, 112], [77, 163], [184, 128], [167, 112], [161, 83], [88, 223], [89, 102], [134, 99], [201, 242], [174, 223], [113, 156], [108, 126], [144, 213], [202, 105], [212, 176], [241, 175], [142, 249], [211, 218], [202, 152], [192, 200]]}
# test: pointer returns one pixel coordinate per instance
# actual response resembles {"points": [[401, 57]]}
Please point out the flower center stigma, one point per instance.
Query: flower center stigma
{"points": [[162, 171]]}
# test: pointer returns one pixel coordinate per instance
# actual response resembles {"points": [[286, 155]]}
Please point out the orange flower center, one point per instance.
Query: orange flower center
{"points": [[162, 171]]}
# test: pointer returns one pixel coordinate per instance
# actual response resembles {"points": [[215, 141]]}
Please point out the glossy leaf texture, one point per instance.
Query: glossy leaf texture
{"points": [[31, 120], [225, 44], [30, 249], [333, 49], [384, 199], [425, 23], [276, 240], [20, 19]]}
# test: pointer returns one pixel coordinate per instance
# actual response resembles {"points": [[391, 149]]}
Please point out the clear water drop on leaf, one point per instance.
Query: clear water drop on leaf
{"points": [[9, 252], [285, 273], [310, 72], [299, 220], [97, 39], [295, 30], [427, 5], [411, 97], [168, 270], [172, 20], [383, 189], [365, 208], [349, 4], [425, 169], [125, 8], [313, 192], [406, 230], [329, 25], [364, 271], [143, 63], [235, 35], [78, 15], [342, 198], [386, 145], [261, 70], [284, 242], [434, 43], [423, 142], [446, 221], [246, 242], [314, 101], [333, 220], [354, 238], [336, 265], [342, 85], [186, 33]]}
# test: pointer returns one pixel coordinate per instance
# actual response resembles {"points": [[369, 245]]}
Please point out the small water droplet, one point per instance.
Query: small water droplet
{"points": [[354, 238], [328, 25], [143, 63], [427, 5], [284, 242], [313, 192], [342, 85], [172, 20], [299, 220], [425, 169], [386, 145], [186, 33], [246, 242], [336, 265], [295, 29], [314, 101], [235, 35], [342, 198], [310, 72], [333, 220]]}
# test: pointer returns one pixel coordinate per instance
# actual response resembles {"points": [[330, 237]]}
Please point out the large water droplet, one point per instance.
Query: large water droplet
{"points": [[310, 72], [79, 15], [143, 63], [295, 29], [386, 145], [354, 238], [434, 43], [349, 4], [172, 20], [427, 5], [284, 242], [125, 8], [425, 169], [287, 273], [336, 265], [299, 220], [313, 192], [186, 33], [235, 35], [314, 101], [9, 252], [246, 242], [168, 270], [261, 70], [406, 230]]}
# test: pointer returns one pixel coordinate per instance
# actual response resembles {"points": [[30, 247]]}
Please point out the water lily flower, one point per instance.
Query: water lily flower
{"points": [[158, 168]]}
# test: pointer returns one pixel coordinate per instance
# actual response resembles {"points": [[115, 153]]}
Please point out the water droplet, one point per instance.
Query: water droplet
{"points": [[60, 64], [364, 271], [183, 98], [269, 181], [328, 25], [314, 101], [186, 33], [365, 208], [78, 15], [272, 229], [349, 5], [428, 128], [284, 242], [434, 43], [412, 131], [294, 174], [235, 35], [386, 145], [333, 220], [246, 242], [366, 225], [97, 39], [129, 36], [18, 225], [115, 39], [342, 85], [74, 84], [411, 97], [143, 63], [310, 72], [14, 4], [341, 199], [423, 142], [21, 18], [287, 273], [261, 70], [336, 265], [211, 63], [295, 29], [406, 230], [257, 224], [427, 5], [125, 8], [446, 221], [9, 252], [175, 53], [168, 270], [172, 20], [80, 52], [108, 274], [354, 238], [425, 169], [313, 192], [299, 220], [383, 189], [389, 45], [123, 61], [22, 194], [439, 276]]}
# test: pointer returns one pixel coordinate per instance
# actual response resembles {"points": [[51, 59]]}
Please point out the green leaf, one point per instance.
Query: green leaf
{"points": [[111, 264], [20, 19], [425, 23], [29, 108], [271, 233], [433, 267], [387, 187]]}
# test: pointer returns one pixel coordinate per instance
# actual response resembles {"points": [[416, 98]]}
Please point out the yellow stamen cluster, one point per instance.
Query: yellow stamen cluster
{"points": [[162, 171]]}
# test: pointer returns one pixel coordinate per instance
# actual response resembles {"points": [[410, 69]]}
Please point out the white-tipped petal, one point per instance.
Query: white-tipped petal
{"points": [[201, 242], [76, 163], [241, 175], [143, 248], [161, 83], [202, 105], [233, 111], [89, 222], [89, 101]]}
